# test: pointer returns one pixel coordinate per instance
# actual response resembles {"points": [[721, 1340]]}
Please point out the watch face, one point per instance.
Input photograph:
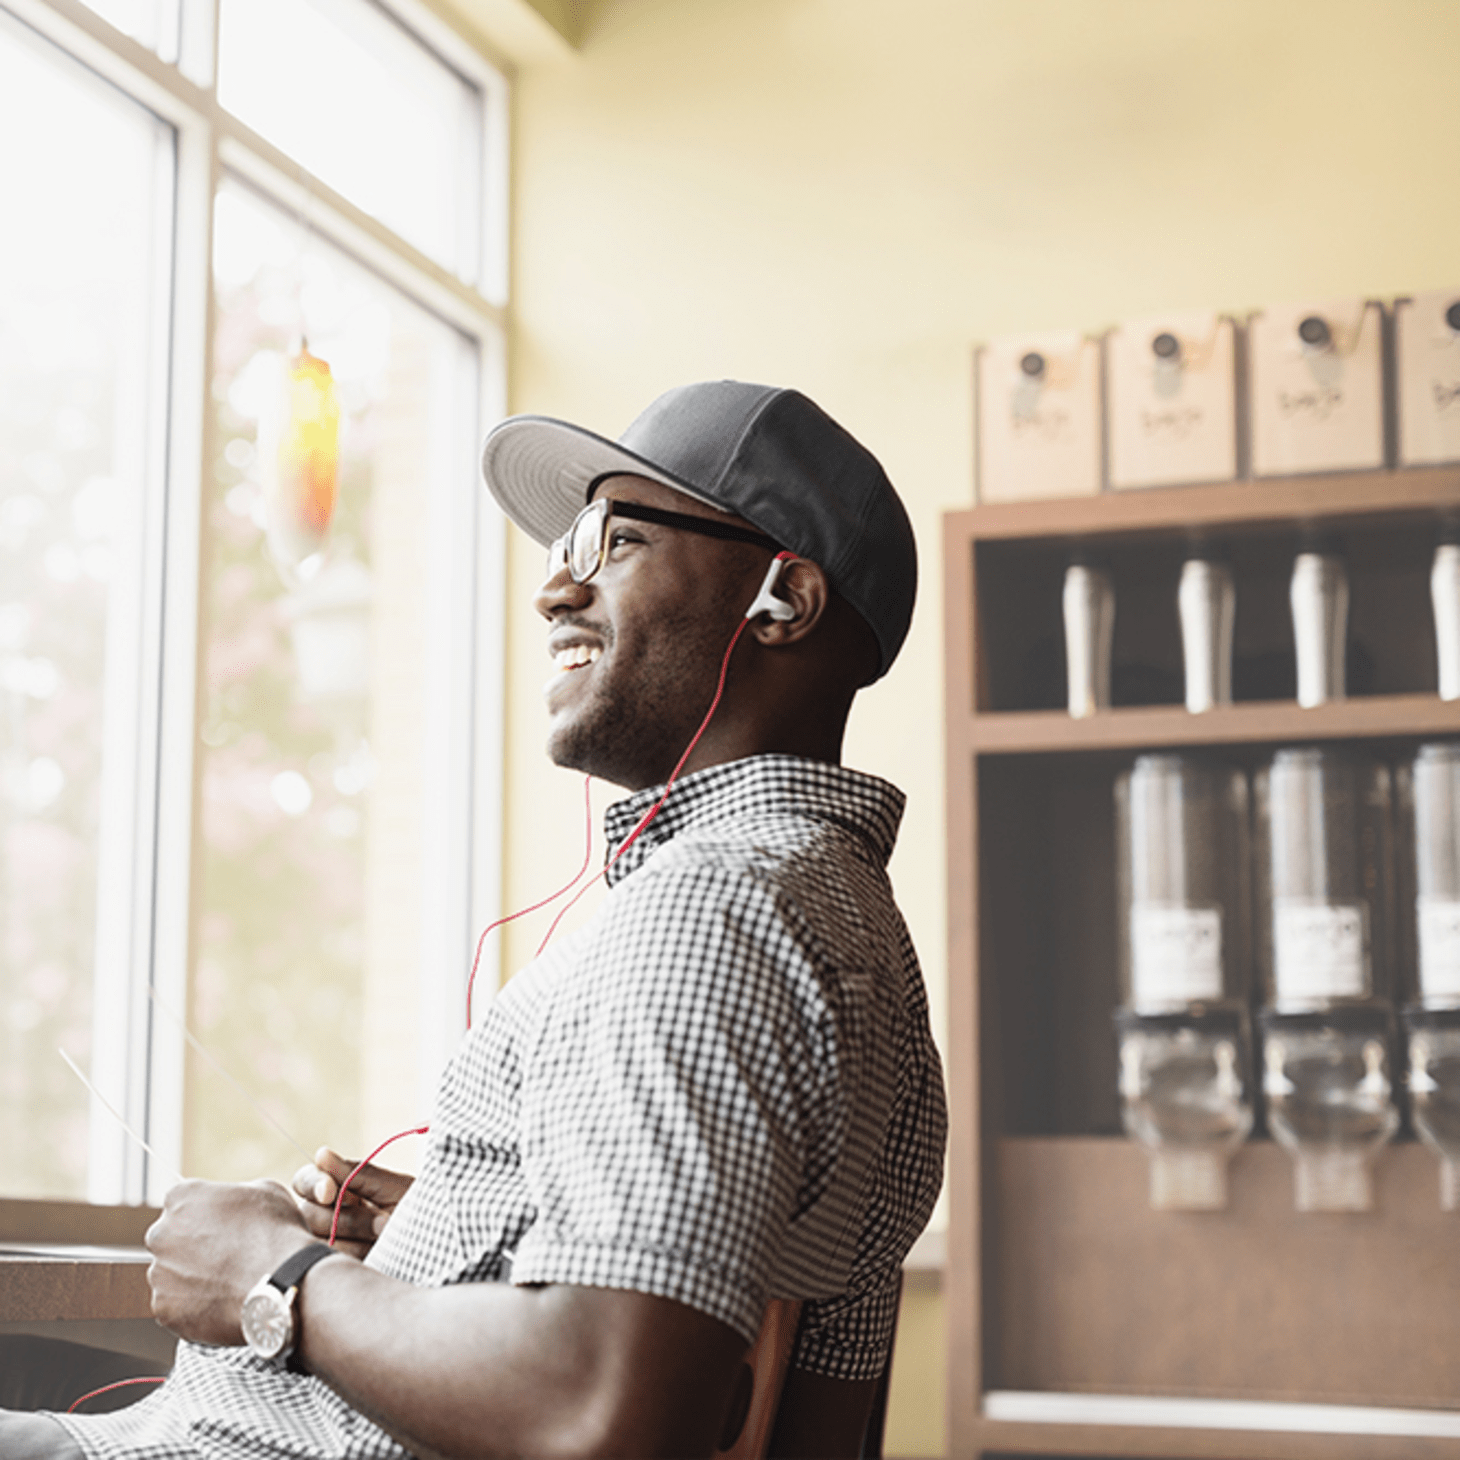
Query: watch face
{"points": [[267, 1321]]}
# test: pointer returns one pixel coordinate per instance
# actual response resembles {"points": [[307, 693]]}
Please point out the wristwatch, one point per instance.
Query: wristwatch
{"points": [[268, 1322]]}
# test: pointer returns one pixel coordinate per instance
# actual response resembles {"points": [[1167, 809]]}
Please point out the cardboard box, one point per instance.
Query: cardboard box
{"points": [[1427, 376], [1171, 400], [1038, 416], [1316, 374]]}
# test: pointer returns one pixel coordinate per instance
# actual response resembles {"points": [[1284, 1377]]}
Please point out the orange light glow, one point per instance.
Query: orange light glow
{"points": [[301, 468]]}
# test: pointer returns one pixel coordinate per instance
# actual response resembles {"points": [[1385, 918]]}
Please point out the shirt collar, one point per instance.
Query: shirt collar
{"points": [[778, 785]]}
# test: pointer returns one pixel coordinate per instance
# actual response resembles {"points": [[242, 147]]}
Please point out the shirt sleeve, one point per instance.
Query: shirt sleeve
{"points": [[683, 1093], [849, 1335]]}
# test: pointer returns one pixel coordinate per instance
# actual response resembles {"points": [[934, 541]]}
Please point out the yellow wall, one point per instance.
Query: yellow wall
{"points": [[845, 195]]}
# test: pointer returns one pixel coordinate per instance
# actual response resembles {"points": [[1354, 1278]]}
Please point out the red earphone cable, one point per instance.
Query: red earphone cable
{"points": [[654, 810], [107, 1389], [470, 987], [418, 1130], [567, 887], [628, 841]]}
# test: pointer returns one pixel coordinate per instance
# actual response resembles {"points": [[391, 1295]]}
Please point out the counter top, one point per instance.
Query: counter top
{"points": [[41, 1282]]}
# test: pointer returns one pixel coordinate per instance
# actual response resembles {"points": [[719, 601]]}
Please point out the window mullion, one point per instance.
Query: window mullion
{"points": [[127, 64], [124, 830], [496, 189], [198, 42], [323, 210], [489, 712], [177, 627]]}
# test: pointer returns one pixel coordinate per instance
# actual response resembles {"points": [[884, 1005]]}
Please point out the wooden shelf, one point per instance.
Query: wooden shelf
{"points": [[1152, 727], [1082, 1441], [1335, 501]]}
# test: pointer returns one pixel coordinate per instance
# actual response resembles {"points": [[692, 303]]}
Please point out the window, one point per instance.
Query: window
{"points": [[386, 122], [247, 796], [78, 471], [323, 889]]}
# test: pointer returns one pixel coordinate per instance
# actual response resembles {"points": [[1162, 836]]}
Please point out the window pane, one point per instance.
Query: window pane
{"points": [[320, 885], [78, 309], [343, 88]]}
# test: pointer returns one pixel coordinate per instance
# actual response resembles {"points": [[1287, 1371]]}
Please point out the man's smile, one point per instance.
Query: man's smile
{"points": [[575, 656], [573, 650]]}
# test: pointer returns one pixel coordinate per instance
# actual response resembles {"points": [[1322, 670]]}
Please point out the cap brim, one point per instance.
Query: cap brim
{"points": [[540, 471]]}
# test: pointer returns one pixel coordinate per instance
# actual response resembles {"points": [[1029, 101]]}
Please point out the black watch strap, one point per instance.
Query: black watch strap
{"points": [[290, 1273]]}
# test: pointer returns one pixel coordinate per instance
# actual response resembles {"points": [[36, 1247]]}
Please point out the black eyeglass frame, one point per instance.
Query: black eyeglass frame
{"points": [[560, 555]]}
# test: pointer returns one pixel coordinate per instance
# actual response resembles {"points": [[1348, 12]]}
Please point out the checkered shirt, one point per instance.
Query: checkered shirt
{"points": [[721, 1090]]}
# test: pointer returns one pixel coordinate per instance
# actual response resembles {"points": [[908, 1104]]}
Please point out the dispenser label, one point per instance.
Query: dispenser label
{"points": [[1439, 948], [1318, 951], [1176, 954]]}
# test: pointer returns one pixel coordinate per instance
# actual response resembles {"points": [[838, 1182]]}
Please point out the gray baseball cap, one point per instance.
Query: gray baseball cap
{"points": [[768, 455]]}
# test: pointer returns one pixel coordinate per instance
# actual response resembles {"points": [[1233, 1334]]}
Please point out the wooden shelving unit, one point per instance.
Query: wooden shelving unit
{"points": [[1081, 1322]]}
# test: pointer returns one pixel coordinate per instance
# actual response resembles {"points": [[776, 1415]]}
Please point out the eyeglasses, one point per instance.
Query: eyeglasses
{"points": [[583, 548]]}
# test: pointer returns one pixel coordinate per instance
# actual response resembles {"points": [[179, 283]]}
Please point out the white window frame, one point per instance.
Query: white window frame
{"points": [[148, 877]]}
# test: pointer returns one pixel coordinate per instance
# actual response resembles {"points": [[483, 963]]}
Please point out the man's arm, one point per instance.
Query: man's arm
{"points": [[467, 1370]]}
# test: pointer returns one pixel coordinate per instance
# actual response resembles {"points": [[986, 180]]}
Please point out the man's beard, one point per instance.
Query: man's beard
{"points": [[632, 731]]}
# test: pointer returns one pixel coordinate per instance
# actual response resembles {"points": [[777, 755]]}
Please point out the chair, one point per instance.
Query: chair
{"points": [[751, 1417], [755, 1406]]}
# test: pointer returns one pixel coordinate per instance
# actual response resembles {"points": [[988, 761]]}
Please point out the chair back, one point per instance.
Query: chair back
{"points": [[760, 1390], [752, 1413]]}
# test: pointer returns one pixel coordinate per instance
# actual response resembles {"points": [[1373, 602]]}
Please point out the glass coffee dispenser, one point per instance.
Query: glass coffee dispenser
{"points": [[1324, 868], [1431, 845], [1182, 870]]}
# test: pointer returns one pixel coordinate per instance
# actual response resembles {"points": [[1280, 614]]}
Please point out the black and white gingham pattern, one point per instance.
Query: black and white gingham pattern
{"points": [[721, 1090]]}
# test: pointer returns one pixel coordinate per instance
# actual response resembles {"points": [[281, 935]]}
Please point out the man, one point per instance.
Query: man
{"points": [[719, 1091]]}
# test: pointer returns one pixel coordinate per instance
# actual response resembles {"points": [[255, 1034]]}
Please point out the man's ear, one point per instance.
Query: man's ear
{"points": [[802, 587]]}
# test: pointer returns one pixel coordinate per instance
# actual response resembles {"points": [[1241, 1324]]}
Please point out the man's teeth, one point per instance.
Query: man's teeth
{"points": [[576, 656]]}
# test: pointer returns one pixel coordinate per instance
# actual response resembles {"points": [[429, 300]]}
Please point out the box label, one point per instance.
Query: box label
{"points": [[1039, 417], [1176, 954], [1172, 415], [1320, 407], [1319, 951], [1427, 386], [1439, 948]]}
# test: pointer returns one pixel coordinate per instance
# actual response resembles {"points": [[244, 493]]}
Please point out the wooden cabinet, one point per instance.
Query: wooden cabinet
{"points": [[1082, 1322]]}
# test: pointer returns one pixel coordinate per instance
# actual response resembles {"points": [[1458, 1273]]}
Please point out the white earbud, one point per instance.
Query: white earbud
{"points": [[766, 600]]}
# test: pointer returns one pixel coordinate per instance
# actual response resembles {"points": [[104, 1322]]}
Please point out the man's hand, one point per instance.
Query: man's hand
{"points": [[211, 1244], [371, 1198]]}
